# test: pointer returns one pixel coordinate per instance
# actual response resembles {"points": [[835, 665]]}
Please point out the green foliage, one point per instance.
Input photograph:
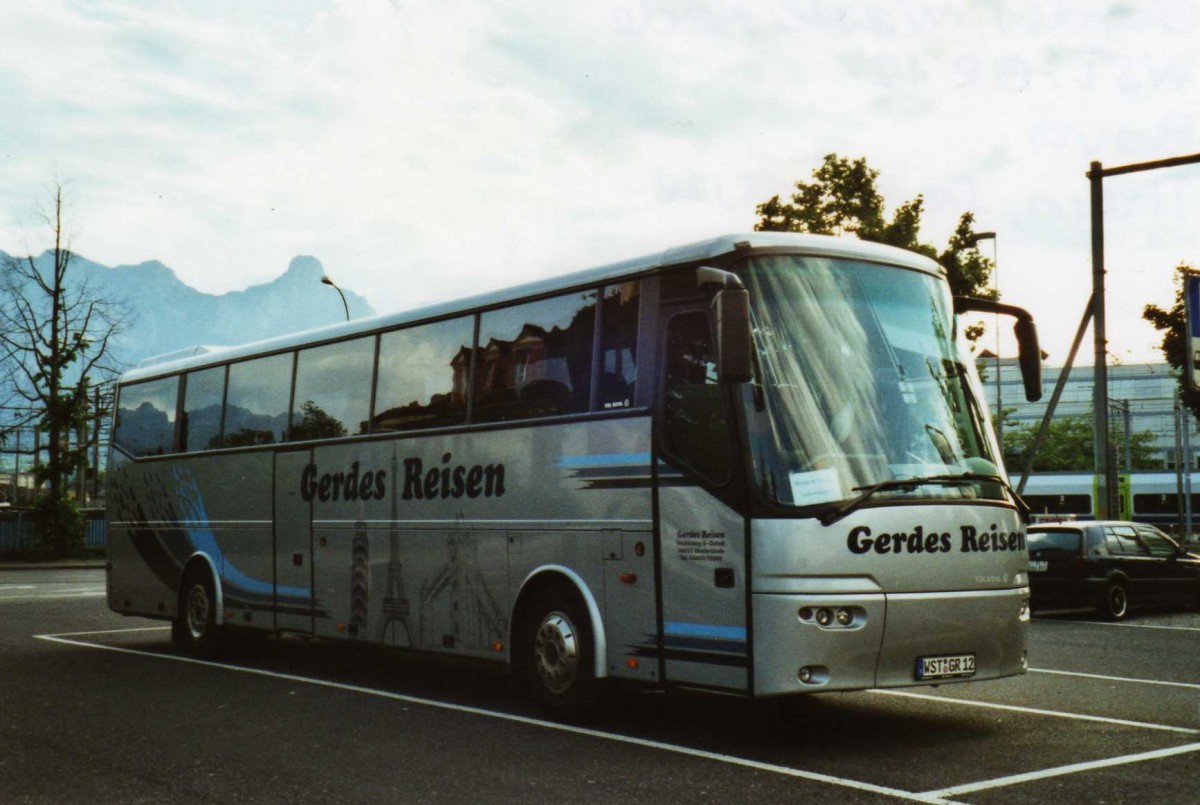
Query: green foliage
{"points": [[316, 423], [843, 199], [1173, 326], [1070, 446], [59, 522]]}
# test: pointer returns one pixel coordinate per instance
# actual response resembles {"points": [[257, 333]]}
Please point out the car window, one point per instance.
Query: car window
{"points": [[1122, 541], [1060, 540], [1157, 543]]}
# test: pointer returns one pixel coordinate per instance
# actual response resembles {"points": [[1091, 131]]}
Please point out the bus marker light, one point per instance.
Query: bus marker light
{"points": [[341, 627], [824, 616], [628, 578], [497, 646], [805, 613], [844, 617], [805, 674], [632, 663], [639, 549]]}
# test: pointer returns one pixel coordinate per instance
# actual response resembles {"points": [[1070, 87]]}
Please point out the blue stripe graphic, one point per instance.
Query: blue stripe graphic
{"points": [[605, 460], [705, 630]]}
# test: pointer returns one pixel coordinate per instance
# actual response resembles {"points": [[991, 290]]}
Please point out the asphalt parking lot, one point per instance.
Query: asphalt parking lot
{"points": [[104, 709]]}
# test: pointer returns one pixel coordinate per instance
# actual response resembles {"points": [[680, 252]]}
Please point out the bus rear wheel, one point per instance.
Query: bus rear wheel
{"points": [[559, 653], [195, 627]]}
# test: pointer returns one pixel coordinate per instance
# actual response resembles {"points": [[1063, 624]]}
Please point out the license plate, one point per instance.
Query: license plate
{"points": [[946, 667], [1039, 566]]}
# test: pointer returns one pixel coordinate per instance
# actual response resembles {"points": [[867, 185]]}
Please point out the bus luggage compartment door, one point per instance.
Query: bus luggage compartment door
{"points": [[293, 545]]}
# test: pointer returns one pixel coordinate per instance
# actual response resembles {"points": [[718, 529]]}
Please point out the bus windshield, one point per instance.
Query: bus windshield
{"points": [[861, 380]]}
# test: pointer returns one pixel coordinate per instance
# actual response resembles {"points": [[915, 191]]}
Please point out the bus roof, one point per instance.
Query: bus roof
{"points": [[819, 245]]}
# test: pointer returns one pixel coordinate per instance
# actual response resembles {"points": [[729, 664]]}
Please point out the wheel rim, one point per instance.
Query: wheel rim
{"points": [[556, 653], [197, 611], [1117, 601]]}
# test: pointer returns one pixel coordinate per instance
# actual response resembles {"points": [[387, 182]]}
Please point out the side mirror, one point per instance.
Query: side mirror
{"points": [[1030, 352], [732, 306]]}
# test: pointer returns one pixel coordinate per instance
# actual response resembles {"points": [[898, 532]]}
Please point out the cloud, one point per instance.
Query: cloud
{"points": [[422, 149]]}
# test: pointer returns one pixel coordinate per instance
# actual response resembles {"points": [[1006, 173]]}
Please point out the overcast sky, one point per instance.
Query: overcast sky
{"points": [[421, 150]]}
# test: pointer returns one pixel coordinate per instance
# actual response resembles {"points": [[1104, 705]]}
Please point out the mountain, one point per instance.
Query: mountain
{"points": [[169, 315]]}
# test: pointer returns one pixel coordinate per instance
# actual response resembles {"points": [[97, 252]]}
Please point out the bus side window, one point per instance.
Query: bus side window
{"points": [[203, 395], [333, 390], [695, 429], [618, 346], [535, 359], [256, 406], [422, 379], [146, 417]]}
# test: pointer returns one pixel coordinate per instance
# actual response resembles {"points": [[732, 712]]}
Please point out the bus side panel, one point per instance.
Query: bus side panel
{"points": [[145, 551], [423, 541], [163, 514]]}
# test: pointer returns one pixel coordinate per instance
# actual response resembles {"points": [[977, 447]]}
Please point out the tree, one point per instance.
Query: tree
{"points": [[54, 347], [1173, 326], [1069, 446], [842, 199]]}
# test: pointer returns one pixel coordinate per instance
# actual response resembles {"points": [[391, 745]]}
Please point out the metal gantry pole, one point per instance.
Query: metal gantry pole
{"points": [[1179, 464], [1187, 475], [1104, 505]]}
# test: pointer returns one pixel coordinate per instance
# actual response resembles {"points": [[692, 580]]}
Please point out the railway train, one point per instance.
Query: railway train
{"points": [[1145, 497]]}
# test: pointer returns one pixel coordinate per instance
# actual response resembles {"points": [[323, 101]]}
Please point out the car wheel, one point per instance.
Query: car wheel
{"points": [[196, 624], [1115, 604], [559, 652]]}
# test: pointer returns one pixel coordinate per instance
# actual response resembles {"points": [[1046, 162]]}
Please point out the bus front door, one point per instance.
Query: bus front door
{"points": [[293, 544]]}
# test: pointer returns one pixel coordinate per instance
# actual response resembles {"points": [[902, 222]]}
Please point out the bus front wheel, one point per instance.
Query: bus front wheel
{"points": [[559, 652], [196, 624]]}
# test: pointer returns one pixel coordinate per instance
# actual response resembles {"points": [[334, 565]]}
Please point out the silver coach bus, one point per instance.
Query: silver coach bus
{"points": [[760, 464]]}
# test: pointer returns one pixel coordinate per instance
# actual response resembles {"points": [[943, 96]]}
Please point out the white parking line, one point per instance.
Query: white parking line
{"points": [[534, 722], [1115, 678], [17, 587], [1036, 711], [108, 631], [1014, 779], [50, 596], [1126, 625]]}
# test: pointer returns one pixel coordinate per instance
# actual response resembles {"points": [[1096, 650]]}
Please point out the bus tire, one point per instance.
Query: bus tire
{"points": [[196, 624], [559, 661], [1115, 603]]}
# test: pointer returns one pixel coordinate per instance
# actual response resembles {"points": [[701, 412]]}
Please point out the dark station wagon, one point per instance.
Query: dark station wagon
{"points": [[1110, 566]]}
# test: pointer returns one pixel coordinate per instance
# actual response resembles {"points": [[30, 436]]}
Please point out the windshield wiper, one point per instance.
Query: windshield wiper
{"points": [[840, 510]]}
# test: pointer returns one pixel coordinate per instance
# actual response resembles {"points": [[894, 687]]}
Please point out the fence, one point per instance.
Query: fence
{"points": [[17, 532]]}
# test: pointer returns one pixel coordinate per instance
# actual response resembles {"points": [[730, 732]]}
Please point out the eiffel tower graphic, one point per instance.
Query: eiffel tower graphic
{"points": [[395, 601]]}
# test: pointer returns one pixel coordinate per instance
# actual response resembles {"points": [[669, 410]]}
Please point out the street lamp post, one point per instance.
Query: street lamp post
{"points": [[332, 284], [975, 238]]}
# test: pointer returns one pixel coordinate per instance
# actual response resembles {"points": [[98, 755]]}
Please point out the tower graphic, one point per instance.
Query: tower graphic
{"points": [[457, 609], [395, 600]]}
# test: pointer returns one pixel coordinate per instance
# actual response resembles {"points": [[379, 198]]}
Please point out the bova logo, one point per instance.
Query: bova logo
{"points": [[445, 481]]}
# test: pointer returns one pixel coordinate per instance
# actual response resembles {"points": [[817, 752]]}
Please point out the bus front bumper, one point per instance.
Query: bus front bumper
{"points": [[811, 643]]}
